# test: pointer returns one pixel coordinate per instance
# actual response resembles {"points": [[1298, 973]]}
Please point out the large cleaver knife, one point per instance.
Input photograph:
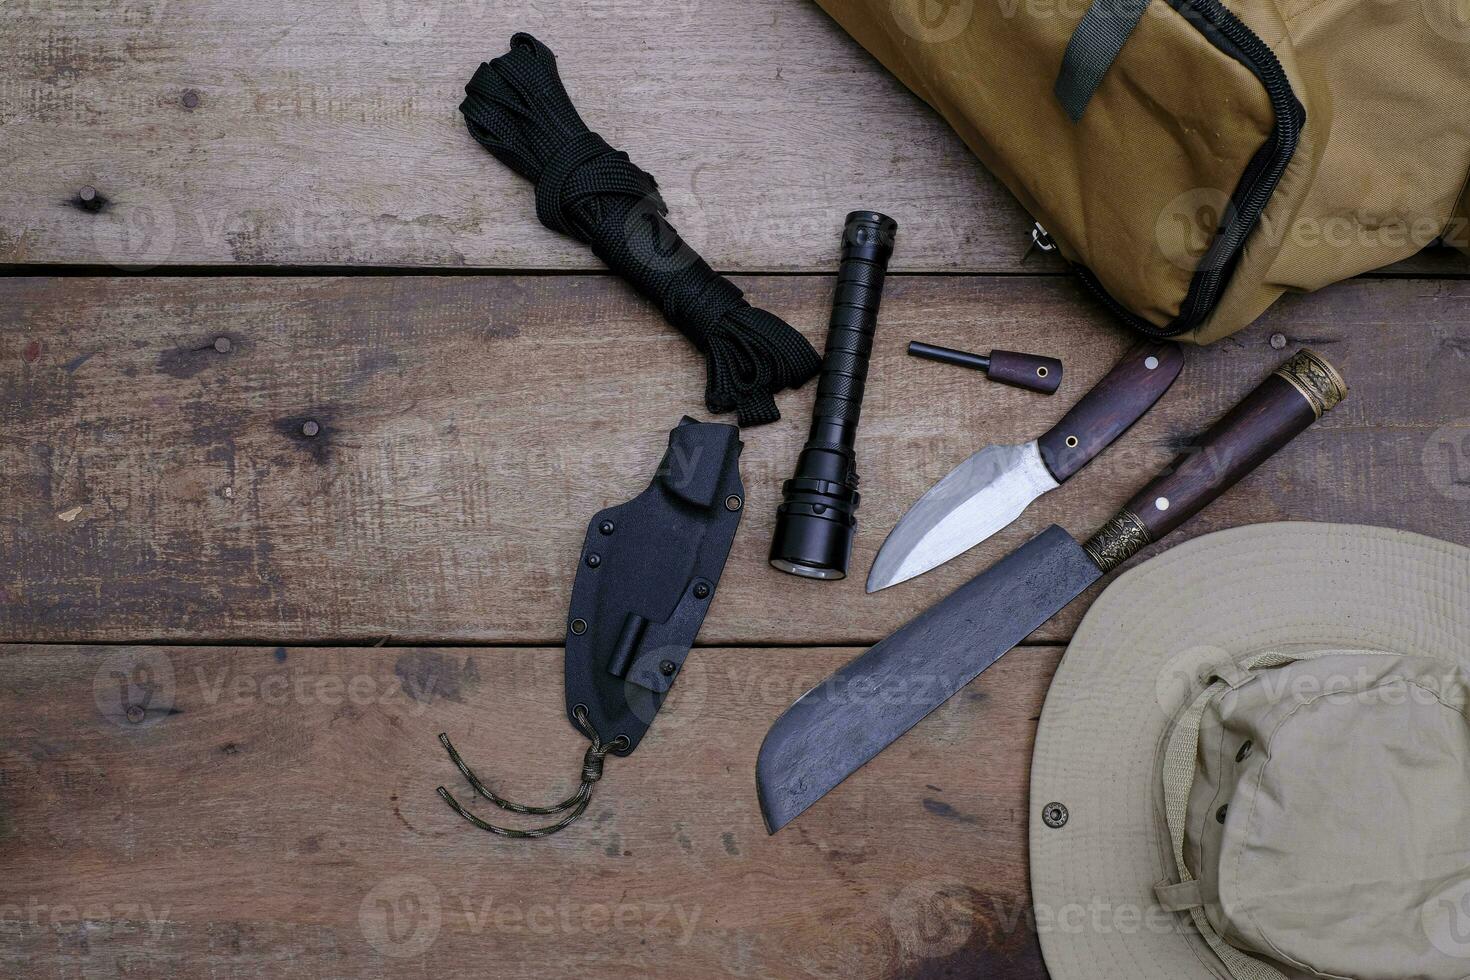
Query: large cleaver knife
{"points": [[856, 713], [991, 488]]}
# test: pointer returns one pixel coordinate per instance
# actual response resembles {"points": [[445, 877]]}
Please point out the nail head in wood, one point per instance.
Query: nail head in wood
{"points": [[310, 428], [222, 344]]}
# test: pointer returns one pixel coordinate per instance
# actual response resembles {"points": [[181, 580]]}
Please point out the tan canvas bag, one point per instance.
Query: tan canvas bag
{"points": [[1194, 160]]}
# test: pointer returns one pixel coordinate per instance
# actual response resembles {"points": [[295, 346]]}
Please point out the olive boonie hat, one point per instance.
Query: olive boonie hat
{"points": [[1254, 764]]}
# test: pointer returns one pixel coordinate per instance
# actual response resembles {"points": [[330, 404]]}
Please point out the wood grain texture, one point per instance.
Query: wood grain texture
{"points": [[1126, 394], [327, 133], [1028, 371], [272, 813], [1249, 435], [470, 427]]}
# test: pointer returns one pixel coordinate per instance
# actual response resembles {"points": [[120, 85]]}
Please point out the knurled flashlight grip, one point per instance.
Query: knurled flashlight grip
{"points": [[816, 521]]}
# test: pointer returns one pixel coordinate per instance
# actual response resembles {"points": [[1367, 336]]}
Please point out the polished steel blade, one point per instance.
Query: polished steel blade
{"points": [[979, 497], [856, 713]]}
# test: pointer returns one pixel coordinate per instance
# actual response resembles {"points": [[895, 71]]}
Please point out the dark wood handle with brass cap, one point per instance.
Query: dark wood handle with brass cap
{"points": [[1281, 408], [1030, 371], [1123, 397]]}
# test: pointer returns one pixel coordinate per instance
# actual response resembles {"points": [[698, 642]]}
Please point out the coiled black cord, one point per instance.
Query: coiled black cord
{"points": [[517, 108]]}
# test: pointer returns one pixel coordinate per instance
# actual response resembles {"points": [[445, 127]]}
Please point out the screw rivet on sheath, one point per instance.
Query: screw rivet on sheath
{"points": [[1055, 816], [701, 591], [606, 527], [667, 668], [579, 626], [593, 560], [733, 502]]}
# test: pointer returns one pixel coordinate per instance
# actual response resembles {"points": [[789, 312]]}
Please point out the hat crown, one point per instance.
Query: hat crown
{"points": [[1328, 821]]}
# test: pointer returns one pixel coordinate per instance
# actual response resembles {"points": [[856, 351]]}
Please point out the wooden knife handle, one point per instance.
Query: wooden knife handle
{"points": [[1281, 408], [1110, 409], [1029, 371]]}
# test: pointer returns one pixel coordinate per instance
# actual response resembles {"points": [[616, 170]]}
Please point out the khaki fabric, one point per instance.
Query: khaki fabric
{"points": [[1340, 654], [1134, 190], [1344, 745]]}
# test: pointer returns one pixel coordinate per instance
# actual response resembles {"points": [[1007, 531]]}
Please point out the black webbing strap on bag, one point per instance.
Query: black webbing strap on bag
{"points": [[1095, 45], [518, 109]]}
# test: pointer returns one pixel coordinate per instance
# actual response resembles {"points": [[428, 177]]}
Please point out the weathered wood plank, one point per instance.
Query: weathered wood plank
{"points": [[273, 813], [327, 134], [158, 488]]}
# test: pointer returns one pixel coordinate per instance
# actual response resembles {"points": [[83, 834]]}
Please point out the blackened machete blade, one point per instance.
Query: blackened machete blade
{"points": [[840, 724]]}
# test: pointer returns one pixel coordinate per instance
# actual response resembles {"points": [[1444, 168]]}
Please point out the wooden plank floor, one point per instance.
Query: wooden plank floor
{"points": [[293, 620], [274, 815], [162, 490]]}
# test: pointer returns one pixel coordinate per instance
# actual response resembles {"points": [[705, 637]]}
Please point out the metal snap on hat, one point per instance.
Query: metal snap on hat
{"points": [[1254, 764]]}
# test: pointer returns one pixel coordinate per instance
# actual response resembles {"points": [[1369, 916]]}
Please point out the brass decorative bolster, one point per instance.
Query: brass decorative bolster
{"points": [[1119, 540]]}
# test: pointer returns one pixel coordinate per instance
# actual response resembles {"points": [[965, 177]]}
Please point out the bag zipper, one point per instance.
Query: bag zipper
{"points": [[1257, 184]]}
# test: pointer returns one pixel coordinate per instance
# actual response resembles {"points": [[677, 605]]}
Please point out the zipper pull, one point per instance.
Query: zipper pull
{"points": [[1041, 241]]}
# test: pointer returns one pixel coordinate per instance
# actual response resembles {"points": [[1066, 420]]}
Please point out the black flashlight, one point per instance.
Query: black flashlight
{"points": [[817, 518]]}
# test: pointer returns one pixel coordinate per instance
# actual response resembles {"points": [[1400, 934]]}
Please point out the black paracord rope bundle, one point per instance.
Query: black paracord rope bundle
{"points": [[517, 108]]}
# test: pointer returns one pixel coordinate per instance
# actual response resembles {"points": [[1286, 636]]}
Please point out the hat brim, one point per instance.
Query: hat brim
{"points": [[1137, 660]]}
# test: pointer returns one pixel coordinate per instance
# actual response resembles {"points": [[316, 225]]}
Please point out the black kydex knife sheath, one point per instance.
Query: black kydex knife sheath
{"points": [[647, 575]]}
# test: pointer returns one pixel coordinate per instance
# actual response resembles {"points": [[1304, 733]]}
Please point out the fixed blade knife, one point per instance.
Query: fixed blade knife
{"points": [[992, 488], [842, 723]]}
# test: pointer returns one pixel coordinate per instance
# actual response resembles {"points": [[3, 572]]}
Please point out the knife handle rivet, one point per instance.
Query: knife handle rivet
{"points": [[1151, 363], [1055, 816], [1162, 503], [1071, 442], [1043, 371]]}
